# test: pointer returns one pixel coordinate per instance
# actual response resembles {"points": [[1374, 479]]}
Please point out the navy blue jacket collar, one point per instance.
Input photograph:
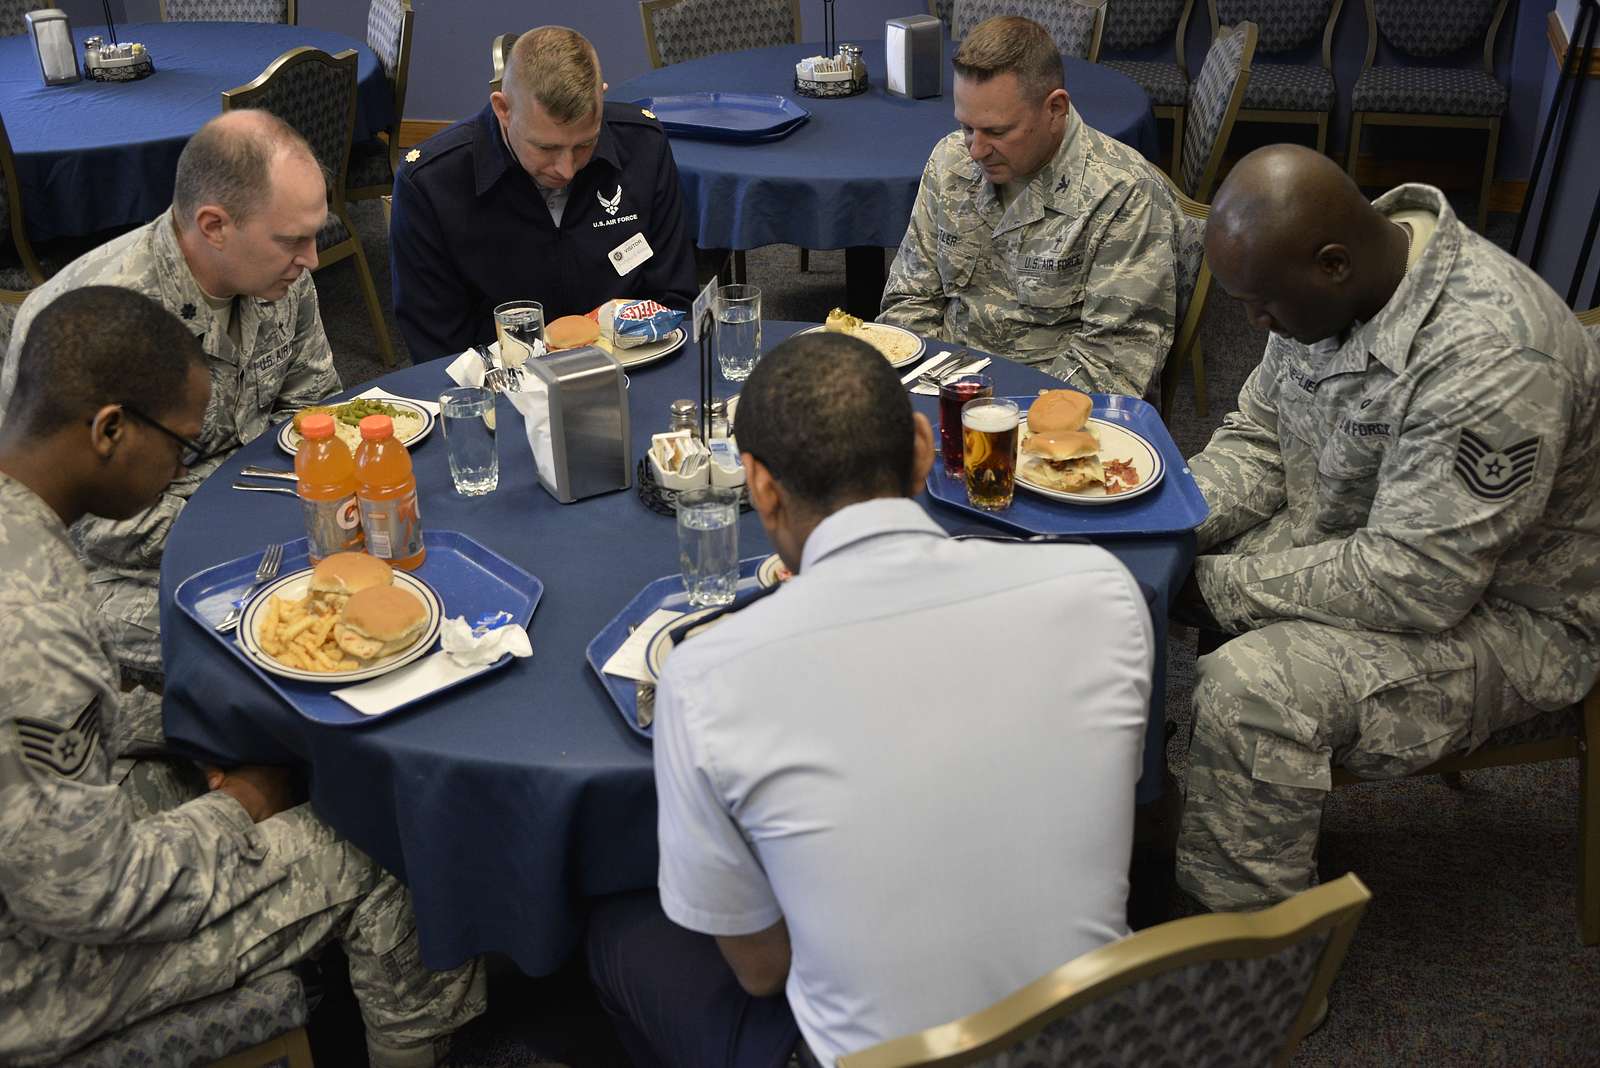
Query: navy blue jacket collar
{"points": [[492, 158]]}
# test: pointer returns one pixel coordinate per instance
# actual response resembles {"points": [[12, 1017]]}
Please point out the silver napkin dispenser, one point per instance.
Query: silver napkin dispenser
{"points": [[52, 44], [915, 56], [590, 447]]}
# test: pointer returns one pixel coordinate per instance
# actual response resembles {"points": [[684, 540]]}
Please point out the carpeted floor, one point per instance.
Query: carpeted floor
{"points": [[1469, 953]]}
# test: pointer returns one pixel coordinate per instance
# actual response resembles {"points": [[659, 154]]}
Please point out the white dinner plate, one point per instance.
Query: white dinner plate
{"points": [[289, 437], [293, 588], [884, 330], [655, 654], [1116, 443], [638, 356], [772, 571]]}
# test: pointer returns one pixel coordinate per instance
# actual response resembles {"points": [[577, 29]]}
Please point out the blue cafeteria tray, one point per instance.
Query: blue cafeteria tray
{"points": [[1173, 507], [664, 592], [720, 116], [470, 579]]}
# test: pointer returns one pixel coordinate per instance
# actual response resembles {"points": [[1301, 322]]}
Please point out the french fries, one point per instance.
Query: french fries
{"points": [[299, 634]]}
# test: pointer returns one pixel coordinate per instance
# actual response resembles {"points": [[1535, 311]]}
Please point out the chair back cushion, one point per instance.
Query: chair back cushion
{"points": [[943, 10], [1429, 28], [226, 10], [1189, 254], [1284, 24], [1208, 104], [314, 93], [1134, 24], [695, 28], [1233, 1012], [12, 12], [1069, 23], [385, 18]]}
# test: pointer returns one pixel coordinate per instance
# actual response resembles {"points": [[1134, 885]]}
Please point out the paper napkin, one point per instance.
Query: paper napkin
{"points": [[473, 648], [531, 401], [628, 661], [379, 393], [930, 390]]}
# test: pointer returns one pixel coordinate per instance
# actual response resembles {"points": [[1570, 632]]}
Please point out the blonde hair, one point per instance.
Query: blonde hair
{"points": [[1011, 43], [558, 68]]}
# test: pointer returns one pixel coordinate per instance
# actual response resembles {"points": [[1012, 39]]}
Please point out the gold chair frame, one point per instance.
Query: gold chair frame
{"points": [[242, 97], [1208, 177], [1177, 112], [293, 12], [647, 17], [1319, 119], [397, 87], [1334, 907], [499, 56], [1186, 346], [19, 230], [292, 1049], [1490, 124]]}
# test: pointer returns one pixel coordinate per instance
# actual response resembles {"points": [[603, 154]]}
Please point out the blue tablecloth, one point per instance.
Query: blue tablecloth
{"points": [[96, 155], [507, 802], [849, 175]]}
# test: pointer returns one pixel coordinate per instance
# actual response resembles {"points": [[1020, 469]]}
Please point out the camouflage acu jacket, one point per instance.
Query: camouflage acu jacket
{"points": [[1077, 272], [1438, 466]]}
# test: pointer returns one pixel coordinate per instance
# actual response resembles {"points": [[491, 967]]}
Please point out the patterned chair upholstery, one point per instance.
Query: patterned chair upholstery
{"points": [[1135, 26], [944, 11], [228, 11], [1457, 97], [1287, 92], [12, 12], [20, 270], [224, 1025], [316, 94], [1075, 25], [1235, 989], [373, 162], [679, 30], [1213, 103], [1194, 286]]}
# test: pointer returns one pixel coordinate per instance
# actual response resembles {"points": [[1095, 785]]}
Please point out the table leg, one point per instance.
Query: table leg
{"points": [[864, 275]]}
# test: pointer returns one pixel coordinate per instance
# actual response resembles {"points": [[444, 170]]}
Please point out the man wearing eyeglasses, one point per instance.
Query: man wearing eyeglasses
{"points": [[232, 259], [109, 912]]}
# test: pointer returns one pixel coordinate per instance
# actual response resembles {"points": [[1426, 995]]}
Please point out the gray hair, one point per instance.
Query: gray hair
{"points": [[229, 163]]}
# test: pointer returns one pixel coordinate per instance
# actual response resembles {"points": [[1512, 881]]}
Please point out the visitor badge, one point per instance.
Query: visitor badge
{"points": [[630, 254]]}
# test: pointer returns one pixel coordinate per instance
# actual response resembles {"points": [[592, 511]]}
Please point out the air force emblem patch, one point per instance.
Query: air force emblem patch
{"points": [[57, 750], [611, 203], [1493, 474]]}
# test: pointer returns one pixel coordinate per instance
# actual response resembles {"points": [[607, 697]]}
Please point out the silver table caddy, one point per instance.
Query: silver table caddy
{"points": [[590, 445]]}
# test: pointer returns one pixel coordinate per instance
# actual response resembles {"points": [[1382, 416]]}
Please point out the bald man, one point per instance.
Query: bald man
{"points": [[1405, 512], [549, 193], [232, 259]]}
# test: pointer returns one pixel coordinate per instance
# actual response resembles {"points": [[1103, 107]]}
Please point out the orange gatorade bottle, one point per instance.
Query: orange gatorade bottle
{"points": [[327, 488], [386, 491]]}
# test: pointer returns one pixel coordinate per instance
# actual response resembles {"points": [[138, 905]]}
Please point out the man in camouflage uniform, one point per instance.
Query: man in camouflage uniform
{"points": [[1035, 236], [106, 918], [233, 260], [1405, 512]]}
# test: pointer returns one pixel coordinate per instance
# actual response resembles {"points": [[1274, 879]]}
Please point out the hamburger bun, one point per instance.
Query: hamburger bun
{"points": [[1062, 445], [570, 332], [1067, 460], [340, 575], [1057, 410], [378, 621]]}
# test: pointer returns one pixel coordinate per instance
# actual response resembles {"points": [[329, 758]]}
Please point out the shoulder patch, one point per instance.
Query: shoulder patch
{"points": [[58, 750], [1493, 474]]}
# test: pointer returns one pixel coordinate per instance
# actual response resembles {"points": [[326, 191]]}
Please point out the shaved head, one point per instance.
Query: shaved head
{"points": [[1291, 235]]}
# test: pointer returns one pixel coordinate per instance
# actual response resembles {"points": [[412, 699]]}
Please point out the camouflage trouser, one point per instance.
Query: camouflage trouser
{"points": [[1279, 707], [301, 886]]}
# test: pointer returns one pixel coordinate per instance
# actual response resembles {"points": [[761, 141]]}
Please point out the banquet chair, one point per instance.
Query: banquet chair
{"points": [[1075, 25], [373, 162], [1446, 97], [316, 94], [942, 10], [1194, 286], [1301, 93], [229, 11], [258, 1024], [1214, 101], [1235, 988], [20, 269], [500, 55], [677, 30], [13, 21], [1136, 25]]}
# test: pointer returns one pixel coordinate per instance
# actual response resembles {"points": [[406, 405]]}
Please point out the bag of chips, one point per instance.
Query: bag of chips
{"points": [[628, 324]]}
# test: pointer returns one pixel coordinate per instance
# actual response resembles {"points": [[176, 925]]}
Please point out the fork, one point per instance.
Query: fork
{"points": [[266, 571], [503, 379], [936, 374]]}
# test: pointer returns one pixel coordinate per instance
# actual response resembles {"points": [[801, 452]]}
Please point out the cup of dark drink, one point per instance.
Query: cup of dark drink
{"points": [[952, 395]]}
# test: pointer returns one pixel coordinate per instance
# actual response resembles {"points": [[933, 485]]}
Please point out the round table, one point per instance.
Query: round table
{"points": [[94, 156], [849, 175], [506, 802]]}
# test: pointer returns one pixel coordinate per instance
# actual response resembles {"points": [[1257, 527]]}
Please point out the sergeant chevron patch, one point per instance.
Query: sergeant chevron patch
{"points": [[1492, 474], [57, 750]]}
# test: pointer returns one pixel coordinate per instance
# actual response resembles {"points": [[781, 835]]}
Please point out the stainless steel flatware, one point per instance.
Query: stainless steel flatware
{"points": [[267, 472], [935, 374], [251, 487], [644, 700], [266, 571], [503, 379]]}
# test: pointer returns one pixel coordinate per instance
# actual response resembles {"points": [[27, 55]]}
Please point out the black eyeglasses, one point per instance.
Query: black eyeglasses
{"points": [[192, 451]]}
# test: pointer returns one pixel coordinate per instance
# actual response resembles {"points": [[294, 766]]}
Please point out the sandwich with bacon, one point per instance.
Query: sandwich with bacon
{"points": [[1059, 453]]}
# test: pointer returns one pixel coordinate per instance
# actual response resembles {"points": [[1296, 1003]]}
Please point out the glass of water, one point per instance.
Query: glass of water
{"points": [[517, 324], [708, 544], [738, 310], [466, 414]]}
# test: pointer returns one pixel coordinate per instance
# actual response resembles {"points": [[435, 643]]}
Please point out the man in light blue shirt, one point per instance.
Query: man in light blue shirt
{"points": [[898, 789]]}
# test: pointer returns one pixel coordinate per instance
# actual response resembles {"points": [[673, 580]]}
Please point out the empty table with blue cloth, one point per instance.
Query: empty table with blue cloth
{"points": [[95, 156], [848, 177], [507, 802]]}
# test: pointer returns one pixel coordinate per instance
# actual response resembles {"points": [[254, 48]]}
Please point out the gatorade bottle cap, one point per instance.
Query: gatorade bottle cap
{"points": [[317, 425], [376, 428]]}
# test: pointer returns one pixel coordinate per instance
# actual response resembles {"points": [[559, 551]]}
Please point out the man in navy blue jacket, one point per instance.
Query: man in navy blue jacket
{"points": [[549, 193]]}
